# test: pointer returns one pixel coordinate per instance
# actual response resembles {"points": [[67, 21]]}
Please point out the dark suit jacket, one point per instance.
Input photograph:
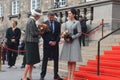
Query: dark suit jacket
{"points": [[49, 36], [13, 35]]}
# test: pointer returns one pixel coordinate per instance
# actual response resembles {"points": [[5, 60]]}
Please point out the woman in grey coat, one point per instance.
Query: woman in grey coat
{"points": [[32, 35], [71, 49]]}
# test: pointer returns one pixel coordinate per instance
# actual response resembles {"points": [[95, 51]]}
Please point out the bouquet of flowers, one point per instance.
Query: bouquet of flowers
{"points": [[43, 28], [66, 35]]}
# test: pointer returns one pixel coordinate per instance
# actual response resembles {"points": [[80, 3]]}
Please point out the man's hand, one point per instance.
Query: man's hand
{"points": [[52, 43], [13, 40]]}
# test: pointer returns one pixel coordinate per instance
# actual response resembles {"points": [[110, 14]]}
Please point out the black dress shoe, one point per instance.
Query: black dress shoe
{"points": [[41, 78], [22, 66], [57, 78]]}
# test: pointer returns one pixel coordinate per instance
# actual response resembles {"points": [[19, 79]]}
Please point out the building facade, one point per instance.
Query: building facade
{"points": [[16, 9], [93, 10]]}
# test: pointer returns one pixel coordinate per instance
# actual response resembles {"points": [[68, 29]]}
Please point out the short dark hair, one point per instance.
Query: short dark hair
{"points": [[50, 13]]}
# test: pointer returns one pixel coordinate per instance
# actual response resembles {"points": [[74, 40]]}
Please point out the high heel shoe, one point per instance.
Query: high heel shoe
{"points": [[28, 78]]}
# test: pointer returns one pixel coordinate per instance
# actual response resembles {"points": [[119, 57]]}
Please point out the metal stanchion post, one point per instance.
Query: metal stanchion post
{"points": [[0, 57]]}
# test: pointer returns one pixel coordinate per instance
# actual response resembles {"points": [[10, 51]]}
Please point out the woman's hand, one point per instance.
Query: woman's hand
{"points": [[67, 40]]}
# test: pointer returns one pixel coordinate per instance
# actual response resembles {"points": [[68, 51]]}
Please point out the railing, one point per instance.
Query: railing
{"points": [[0, 55], [101, 24], [98, 55]]}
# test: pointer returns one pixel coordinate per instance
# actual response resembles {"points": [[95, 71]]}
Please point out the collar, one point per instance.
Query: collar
{"points": [[33, 18]]}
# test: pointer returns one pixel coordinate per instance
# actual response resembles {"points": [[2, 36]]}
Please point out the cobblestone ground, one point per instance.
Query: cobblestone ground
{"points": [[15, 74]]}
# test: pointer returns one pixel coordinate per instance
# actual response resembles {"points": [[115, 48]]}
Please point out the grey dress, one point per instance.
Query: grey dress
{"points": [[72, 51]]}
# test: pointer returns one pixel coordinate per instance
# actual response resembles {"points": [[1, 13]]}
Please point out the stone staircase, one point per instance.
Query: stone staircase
{"points": [[88, 53]]}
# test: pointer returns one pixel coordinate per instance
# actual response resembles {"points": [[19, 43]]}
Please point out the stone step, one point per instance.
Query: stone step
{"points": [[92, 48], [62, 68], [104, 43]]}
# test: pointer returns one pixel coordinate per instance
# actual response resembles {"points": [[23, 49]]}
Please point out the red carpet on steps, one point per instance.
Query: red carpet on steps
{"points": [[108, 64], [115, 47], [105, 71], [94, 76], [109, 67]]}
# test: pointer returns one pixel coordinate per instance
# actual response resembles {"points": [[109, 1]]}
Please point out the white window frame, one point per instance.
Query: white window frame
{"points": [[15, 7], [61, 3], [35, 4], [1, 10]]}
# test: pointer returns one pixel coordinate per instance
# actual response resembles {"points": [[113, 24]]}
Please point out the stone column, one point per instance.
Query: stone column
{"points": [[82, 12], [63, 17], [66, 16], [91, 15], [58, 17], [78, 13]]}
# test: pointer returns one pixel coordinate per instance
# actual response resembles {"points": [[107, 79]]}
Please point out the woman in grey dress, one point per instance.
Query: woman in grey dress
{"points": [[71, 49]]}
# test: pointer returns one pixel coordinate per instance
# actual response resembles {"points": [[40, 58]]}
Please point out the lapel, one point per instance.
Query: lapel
{"points": [[48, 23], [55, 26]]}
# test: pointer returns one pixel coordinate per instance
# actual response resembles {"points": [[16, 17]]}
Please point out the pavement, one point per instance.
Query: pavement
{"points": [[16, 73]]}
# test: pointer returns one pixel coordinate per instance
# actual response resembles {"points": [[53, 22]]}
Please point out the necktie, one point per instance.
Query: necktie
{"points": [[51, 26]]}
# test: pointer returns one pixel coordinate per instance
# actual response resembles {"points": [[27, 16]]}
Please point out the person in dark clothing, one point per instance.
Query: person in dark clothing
{"points": [[12, 35], [84, 30], [51, 45]]}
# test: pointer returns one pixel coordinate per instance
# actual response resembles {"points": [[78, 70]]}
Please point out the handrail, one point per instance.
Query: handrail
{"points": [[88, 32], [98, 62], [92, 30]]}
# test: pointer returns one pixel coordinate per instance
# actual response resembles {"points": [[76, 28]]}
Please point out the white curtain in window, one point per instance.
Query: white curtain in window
{"points": [[35, 4], [61, 3], [15, 7]]}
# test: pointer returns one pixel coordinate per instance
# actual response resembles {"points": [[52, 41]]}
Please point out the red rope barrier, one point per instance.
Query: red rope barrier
{"points": [[93, 32], [14, 50]]}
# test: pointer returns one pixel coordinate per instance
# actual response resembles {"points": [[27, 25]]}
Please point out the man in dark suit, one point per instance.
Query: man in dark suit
{"points": [[84, 29], [51, 45]]}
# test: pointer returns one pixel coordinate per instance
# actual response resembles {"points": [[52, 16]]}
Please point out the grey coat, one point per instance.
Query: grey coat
{"points": [[72, 51], [32, 33]]}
